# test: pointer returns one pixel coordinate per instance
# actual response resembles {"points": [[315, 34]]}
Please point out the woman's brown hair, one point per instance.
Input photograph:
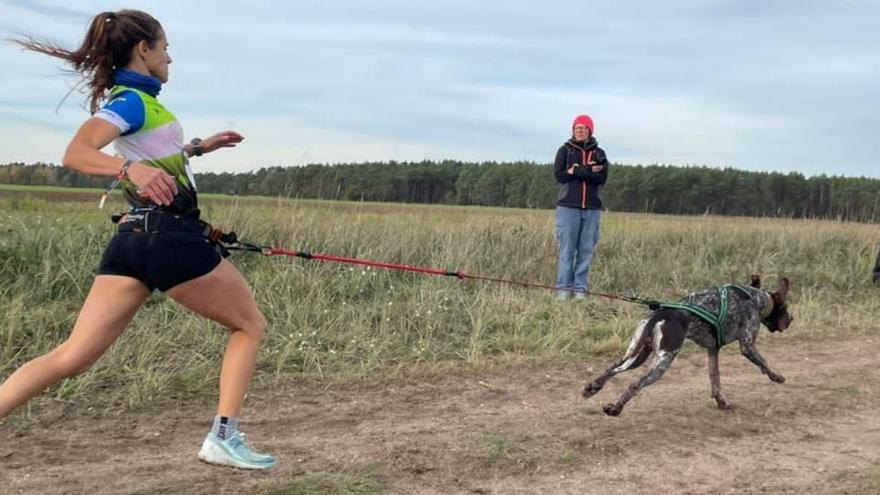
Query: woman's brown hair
{"points": [[107, 46]]}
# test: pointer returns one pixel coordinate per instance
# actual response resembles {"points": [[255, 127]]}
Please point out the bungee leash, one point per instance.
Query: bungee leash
{"points": [[229, 241], [716, 321]]}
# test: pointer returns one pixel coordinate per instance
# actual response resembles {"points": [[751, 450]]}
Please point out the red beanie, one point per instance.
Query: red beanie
{"points": [[583, 120]]}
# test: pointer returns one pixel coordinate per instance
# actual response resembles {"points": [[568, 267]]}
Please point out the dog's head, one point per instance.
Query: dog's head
{"points": [[778, 318]]}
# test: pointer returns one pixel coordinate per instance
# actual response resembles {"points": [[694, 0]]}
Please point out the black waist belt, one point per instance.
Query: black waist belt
{"points": [[156, 221]]}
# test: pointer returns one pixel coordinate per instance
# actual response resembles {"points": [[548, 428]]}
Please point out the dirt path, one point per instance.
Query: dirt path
{"points": [[523, 432]]}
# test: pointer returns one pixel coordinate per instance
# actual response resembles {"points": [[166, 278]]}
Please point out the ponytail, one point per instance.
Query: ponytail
{"points": [[108, 45]]}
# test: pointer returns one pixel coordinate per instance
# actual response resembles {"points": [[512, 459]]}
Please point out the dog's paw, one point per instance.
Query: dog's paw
{"points": [[590, 390], [611, 410], [723, 404], [776, 377]]}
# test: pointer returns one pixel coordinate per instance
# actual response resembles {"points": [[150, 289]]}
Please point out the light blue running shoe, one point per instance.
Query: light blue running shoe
{"points": [[233, 452]]}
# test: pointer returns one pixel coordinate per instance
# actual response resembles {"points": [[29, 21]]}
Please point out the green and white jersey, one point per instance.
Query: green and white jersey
{"points": [[151, 135]]}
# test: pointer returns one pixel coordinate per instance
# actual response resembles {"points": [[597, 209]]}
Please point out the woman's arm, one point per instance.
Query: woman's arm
{"points": [[225, 139], [562, 171], [596, 172], [84, 155]]}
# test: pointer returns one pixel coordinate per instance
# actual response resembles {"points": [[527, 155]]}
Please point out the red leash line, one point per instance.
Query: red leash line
{"points": [[436, 271], [357, 261], [535, 285]]}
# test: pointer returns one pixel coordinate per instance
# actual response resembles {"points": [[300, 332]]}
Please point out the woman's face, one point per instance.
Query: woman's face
{"points": [[156, 58], [581, 132]]}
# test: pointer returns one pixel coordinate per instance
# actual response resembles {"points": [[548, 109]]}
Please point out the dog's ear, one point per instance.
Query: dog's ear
{"points": [[784, 286], [756, 281]]}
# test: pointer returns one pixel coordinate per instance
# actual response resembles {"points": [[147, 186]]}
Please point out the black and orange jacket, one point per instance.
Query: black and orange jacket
{"points": [[581, 189]]}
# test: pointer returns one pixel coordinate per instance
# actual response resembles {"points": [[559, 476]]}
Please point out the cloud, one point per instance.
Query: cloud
{"points": [[755, 85], [52, 11]]}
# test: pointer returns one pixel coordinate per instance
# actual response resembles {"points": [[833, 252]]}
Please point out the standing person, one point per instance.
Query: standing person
{"points": [[581, 168], [160, 243]]}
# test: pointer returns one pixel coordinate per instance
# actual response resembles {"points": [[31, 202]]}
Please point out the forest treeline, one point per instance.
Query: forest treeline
{"points": [[636, 188]]}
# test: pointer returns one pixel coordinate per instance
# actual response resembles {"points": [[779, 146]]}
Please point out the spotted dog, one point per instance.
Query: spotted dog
{"points": [[664, 332]]}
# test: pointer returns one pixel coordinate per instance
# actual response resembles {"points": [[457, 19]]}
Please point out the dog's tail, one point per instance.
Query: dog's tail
{"points": [[642, 344]]}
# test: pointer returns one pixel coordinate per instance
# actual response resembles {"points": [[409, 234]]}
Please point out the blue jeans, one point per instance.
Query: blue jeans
{"points": [[578, 232]]}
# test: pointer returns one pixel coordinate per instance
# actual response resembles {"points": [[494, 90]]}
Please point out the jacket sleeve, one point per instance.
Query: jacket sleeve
{"points": [[594, 178], [561, 166]]}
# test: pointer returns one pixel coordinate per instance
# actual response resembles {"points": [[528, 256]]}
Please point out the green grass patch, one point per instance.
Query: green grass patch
{"points": [[503, 448], [857, 481], [569, 456], [872, 481], [364, 481]]}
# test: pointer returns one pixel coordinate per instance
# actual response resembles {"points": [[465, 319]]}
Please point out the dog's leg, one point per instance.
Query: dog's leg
{"points": [[637, 353], [658, 368], [749, 350], [668, 339], [715, 378]]}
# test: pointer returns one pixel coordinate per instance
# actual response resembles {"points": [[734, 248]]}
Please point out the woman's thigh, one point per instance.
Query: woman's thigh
{"points": [[108, 309], [221, 295]]}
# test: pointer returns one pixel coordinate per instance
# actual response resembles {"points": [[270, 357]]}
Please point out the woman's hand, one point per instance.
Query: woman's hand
{"points": [[152, 183], [225, 139]]}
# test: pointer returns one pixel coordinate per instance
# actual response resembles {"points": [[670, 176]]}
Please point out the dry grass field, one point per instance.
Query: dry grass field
{"points": [[374, 381]]}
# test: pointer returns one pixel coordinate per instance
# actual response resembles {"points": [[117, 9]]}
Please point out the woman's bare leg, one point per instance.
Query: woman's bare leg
{"points": [[109, 307], [224, 296]]}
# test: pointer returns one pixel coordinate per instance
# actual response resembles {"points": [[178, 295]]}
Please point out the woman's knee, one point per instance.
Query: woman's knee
{"points": [[255, 326], [260, 325]]}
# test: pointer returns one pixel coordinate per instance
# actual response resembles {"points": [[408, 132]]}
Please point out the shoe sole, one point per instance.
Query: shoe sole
{"points": [[213, 454]]}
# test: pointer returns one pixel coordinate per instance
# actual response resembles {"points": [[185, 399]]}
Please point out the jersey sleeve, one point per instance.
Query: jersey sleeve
{"points": [[125, 111]]}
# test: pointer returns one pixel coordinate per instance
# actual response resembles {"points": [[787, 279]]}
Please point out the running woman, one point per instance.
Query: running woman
{"points": [[160, 243]]}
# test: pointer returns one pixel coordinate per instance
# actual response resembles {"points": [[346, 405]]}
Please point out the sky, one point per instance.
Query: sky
{"points": [[755, 85]]}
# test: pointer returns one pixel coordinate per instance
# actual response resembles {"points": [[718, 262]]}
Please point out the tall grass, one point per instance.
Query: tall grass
{"points": [[334, 323]]}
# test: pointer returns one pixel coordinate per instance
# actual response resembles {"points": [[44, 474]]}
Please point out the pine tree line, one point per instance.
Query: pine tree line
{"points": [[637, 188]]}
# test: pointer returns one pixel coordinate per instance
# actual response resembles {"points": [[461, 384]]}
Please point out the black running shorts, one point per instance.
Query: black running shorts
{"points": [[159, 260]]}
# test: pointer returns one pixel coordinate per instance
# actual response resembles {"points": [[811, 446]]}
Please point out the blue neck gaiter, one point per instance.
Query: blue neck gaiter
{"points": [[147, 84]]}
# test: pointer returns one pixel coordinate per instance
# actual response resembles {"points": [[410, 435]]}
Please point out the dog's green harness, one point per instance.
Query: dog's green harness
{"points": [[717, 321]]}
